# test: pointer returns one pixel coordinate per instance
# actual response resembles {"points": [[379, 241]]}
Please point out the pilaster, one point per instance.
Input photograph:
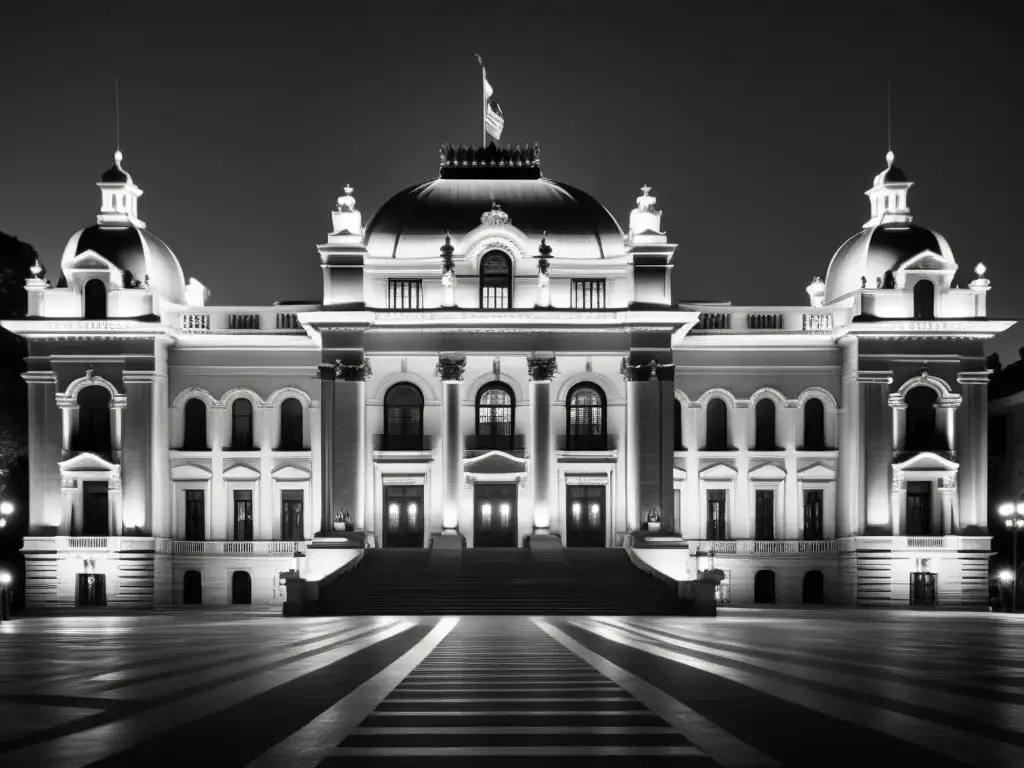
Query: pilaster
{"points": [[650, 391], [349, 431], [875, 450], [972, 453], [450, 369], [326, 375], [542, 370]]}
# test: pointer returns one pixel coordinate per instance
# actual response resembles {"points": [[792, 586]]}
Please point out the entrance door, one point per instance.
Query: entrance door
{"points": [[92, 590], [95, 511], [813, 504], [764, 515], [403, 515], [922, 589], [243, 515], [241, 588], [195, 513], [584, 515], [495, 521], [919, 509], [764, 587], [192, 589], [291, 515]]}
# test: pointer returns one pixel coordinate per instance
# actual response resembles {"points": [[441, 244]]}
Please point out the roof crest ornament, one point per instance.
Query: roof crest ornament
{"points": [[494, 217]]}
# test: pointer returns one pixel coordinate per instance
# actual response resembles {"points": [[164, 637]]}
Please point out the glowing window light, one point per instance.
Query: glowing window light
{"points": [[595, 513], [393, 516], [485, 514], [577, 510], [504, 513], [412, 514]]}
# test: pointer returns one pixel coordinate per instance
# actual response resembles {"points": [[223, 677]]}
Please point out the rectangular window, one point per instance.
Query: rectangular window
{"points": [[291, 516], [243, 515], [495, 297], [764, 515], [195, 515], [814, 529], [405, 294], [588, 294], [716, 515]]}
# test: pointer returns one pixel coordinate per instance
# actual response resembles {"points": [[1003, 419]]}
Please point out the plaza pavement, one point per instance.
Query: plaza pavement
{"points": [[748, 688]]}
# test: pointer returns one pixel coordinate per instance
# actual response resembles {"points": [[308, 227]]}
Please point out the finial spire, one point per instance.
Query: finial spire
{"points": [[117, 120], [888, 98]]}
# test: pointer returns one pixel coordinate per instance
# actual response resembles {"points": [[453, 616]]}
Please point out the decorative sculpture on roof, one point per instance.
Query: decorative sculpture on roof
{"points": [[543, 265], [494, 217], [645, 219]]}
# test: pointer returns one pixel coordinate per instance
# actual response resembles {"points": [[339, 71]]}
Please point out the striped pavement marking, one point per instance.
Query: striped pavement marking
{"points": [[721, 746], [307, 747], [951, 742]]}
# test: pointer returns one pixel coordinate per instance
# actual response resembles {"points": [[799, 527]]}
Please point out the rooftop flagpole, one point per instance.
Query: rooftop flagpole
{"points": [[483, 91]]}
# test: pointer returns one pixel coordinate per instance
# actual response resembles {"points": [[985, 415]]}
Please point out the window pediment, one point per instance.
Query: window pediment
{"points": [[817, 471], [290, 472], [241, 472], [191, 472], [769, 470], [718, 471]]}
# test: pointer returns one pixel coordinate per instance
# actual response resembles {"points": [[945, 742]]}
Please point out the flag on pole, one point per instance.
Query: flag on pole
{"points": [[494, 121]]}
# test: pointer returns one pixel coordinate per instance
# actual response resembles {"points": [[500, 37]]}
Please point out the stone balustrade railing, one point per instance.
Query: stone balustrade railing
{"points": [[757, 547], [720, 319], [234, 320], [237, 547]]}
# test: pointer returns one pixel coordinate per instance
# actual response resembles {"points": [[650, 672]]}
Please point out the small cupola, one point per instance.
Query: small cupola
{"points": [[888, 196], [119, 197], [645, 219]]}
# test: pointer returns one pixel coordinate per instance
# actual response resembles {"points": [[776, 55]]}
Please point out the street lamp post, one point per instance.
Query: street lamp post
{"points": [[5, 596], [1013, 514]]}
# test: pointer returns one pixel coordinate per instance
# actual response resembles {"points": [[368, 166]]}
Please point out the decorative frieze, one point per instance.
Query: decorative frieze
{"points": [[450, 368], [586, 479], [542, 368]]}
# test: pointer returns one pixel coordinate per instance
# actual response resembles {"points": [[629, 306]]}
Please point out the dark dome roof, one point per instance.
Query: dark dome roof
{"points": [[413, 222], [874, 251], [115, 175], [132, 249], [893, 174]]}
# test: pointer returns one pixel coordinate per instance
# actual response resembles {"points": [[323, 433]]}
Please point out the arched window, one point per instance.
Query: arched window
{"points": [[495, 281], [677, 425], [924, 300], [291, 425], [403, 418], [586, 426], [195, 426], [922, 434], [764, 431], [241, 425], [717, 438], [93, 420], [814, 425], [95, 300], [495, 416]]}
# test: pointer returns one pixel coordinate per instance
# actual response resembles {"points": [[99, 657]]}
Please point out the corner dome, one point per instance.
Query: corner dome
{"points": [[874, 251], [413, 223], [135, 251]]}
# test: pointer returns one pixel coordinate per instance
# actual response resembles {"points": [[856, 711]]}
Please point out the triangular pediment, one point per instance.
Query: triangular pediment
{"points": [[718, 471], [927, 462], [495, 463], [87, 462], [768, 470], [190, 472], [290, 472], [241, 472], [925, 260], [818, 470], [89, 260], [678, 473]]}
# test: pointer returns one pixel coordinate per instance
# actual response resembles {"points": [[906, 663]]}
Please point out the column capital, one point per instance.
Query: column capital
{"points": [[542, 368], [353, 372], [326, 372], [974, 377], [650, 371], [450, 367]]}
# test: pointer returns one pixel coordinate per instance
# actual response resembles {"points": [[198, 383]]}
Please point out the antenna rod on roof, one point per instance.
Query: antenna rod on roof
{"points": [[888, 96], [117, 116]]}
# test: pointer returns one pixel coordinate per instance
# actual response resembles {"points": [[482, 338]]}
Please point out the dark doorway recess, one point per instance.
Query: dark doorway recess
{"points": [[95, 509], [92, 590], [192, 588], [814, 588], [403, 515], [922, 590], [585, 516], [241, 588], [764, 587], [495, 519]]}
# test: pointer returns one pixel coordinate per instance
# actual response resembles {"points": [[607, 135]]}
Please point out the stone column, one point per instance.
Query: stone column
{"points": [[136, 440], [972, 453], [875, 450], [650, 393], [542, 370], [47, 513], [450, 369], [326, 375], [349, 431]]}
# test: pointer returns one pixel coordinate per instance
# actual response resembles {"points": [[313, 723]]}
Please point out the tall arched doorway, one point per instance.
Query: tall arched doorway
{"points": [[241, 588], [924, 300], [192, 588], [95, 300], [764, 587]]}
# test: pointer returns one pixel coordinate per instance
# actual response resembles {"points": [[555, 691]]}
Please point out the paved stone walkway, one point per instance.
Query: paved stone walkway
{"points": [[750, 688]]}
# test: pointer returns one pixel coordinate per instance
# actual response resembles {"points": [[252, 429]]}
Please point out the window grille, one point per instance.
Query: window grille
{"points": [[405, 294], [588, 294]]}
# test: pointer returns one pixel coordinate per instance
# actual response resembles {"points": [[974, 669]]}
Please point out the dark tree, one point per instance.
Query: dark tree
{"points": [[15, 259]]}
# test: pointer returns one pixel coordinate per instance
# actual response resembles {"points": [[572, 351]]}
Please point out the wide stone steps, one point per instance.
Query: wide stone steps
{"points": [[498, 581]]}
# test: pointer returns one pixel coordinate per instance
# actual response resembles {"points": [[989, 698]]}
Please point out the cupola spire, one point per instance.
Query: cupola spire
{"points": [[645, 219], [888, 196], [119, 197], [347, 219]]}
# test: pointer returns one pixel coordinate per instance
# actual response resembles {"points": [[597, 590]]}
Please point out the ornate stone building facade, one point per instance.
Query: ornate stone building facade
{"points": [[494, 359]]}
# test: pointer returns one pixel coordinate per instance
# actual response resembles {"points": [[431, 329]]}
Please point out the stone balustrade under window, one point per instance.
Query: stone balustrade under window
{"points": [[774, 547], [237, 547], [722, 319], [235, 320]]}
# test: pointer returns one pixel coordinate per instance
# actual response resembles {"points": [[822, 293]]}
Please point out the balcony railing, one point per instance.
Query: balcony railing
{"points": [[205, 320], [402, 443], [759, 547], [748, 319], [237, 547]]}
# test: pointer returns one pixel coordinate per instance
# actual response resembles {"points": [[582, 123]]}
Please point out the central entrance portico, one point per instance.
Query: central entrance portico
{"points": [[495, 514], [403, 515]]}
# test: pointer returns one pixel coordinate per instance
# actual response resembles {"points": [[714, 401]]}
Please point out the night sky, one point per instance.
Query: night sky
{"points": [[758, 125]]}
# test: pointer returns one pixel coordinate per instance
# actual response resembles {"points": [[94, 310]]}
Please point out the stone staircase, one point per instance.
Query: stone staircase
{"points": [[496, 581]]}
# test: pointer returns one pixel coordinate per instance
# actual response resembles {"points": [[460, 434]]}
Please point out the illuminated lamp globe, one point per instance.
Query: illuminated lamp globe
{"points": [[1006, 576], [980, 269], [1006, 509], [6, 508], [5, 578], [3, 523]]}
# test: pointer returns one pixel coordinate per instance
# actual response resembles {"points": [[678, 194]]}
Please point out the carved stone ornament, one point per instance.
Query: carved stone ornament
{"points": [[450, 368], [494, 217], [651, 371], [447, 263], [949, 482], [542, 368], [326, 372], [352, 371], [543, 265], [90, 374], [897, 482]]}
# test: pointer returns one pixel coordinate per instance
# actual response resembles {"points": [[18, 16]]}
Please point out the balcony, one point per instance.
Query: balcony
{"points": [[403, 443], [256, 548], [728, 319], [240, 320], [756, 547], [514, 445]]}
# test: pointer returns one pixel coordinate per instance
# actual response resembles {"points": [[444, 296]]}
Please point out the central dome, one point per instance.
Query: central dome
{"points": [[413, 223]]}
